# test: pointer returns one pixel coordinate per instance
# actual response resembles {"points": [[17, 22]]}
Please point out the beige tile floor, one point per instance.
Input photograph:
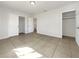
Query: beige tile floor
{"points": [[38, 46]]}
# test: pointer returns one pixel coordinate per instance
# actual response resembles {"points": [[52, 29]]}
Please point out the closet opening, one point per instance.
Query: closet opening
{"points": [[68, 24]]}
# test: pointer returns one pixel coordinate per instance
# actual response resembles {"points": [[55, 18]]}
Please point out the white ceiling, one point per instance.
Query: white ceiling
{"points": [[41, 6]]}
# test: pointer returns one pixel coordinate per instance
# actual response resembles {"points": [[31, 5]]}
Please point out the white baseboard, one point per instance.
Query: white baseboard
{"points": [[51, 35], [5, 37]]}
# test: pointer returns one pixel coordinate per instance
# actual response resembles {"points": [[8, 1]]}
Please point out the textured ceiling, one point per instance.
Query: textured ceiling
{"points": [[41, 6]]}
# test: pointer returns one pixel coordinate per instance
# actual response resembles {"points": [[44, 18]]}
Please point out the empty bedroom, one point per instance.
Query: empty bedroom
{"points": [[39, 29]]}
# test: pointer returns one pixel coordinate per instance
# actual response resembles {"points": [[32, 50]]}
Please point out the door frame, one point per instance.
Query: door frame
{"points": [[75, 22], [19, 24]]}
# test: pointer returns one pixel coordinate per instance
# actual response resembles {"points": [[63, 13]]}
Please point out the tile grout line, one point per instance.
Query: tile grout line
{"points": [[70, 49], [35, 41], [13, 44], [55, 49]]}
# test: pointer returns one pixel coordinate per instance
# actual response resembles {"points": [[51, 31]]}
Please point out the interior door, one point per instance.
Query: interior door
{"points": [[30, 25], [21, 24]]}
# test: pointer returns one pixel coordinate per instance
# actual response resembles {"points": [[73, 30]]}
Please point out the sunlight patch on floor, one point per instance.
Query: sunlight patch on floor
{"points": [[27, 52]]}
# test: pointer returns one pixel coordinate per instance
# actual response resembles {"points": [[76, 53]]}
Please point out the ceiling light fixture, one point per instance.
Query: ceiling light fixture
{"points": [[32, 2]]}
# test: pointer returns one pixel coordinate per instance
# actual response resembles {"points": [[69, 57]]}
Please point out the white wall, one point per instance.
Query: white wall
{"points": [[8, 25], [13, 25], [50, 23], [9, 22], [4, 16]]}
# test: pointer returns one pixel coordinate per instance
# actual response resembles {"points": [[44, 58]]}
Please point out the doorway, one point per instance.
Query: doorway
{"points": [[21, 25], [69, 24], [35, 24]]}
